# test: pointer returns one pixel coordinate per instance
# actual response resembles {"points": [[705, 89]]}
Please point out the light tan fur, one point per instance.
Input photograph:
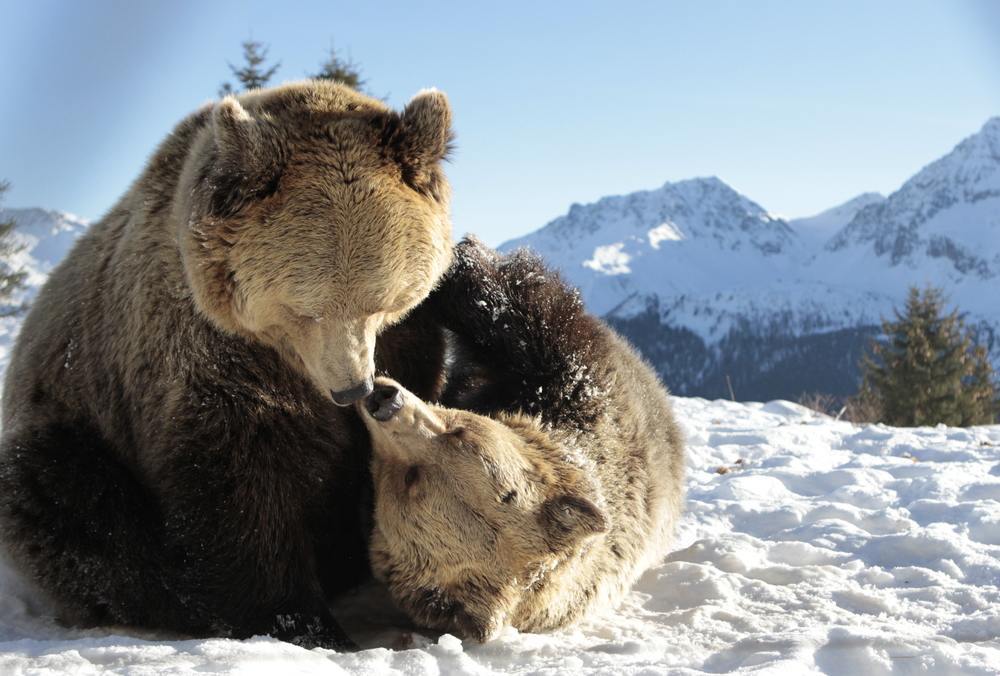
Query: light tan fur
{"points": [[346, 246]]}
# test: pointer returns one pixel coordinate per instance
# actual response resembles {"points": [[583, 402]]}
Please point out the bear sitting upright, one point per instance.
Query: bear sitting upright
{"points": [[555, 488], [173, 452]]}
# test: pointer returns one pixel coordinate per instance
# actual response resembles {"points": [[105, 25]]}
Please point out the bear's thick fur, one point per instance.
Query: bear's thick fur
{"points": [[559, 483], [172, 455]]}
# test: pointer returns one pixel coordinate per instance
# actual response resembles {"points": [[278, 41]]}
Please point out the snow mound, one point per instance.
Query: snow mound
{"points": [[808, 546]]}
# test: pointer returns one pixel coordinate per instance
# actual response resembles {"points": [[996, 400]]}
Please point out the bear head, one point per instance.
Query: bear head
{"points": [[311, 217], [470, 512]]}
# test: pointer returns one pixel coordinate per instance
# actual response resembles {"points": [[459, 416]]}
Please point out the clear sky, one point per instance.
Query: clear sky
{"points": [[799, 105]]}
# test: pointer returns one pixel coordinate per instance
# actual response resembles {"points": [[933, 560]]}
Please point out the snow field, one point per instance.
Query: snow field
{"points": [[837, 548], [808, 546]]}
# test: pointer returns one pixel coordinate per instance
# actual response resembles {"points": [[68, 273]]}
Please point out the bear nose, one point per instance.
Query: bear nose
{"points": [[384, 402], [352, 394]]}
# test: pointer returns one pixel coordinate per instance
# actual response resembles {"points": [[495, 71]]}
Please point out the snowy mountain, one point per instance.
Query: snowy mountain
{"points": [[715, 290], [950, 210], [697, 229], [825, 224], [46, 236]]}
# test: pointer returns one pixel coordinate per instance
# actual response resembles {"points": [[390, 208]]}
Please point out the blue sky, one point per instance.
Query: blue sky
{"points": [[799, 105]]}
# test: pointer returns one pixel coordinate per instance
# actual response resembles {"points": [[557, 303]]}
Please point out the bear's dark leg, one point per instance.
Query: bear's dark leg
{"points": [[244, 500], [526, 331], [77, 521], [80, 524], [232, 553]]}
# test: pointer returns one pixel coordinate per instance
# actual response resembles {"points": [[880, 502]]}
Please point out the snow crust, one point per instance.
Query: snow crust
{"points": [[808, 546]]}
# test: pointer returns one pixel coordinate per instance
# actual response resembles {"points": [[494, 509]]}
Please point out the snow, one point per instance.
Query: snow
{"points": [[609, 259], [808, 546], [664, 232]]}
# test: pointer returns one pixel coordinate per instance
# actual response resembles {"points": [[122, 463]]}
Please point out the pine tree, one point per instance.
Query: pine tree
{"points": [[927, 371], [253, 74], [10, 280], [340, 70]]}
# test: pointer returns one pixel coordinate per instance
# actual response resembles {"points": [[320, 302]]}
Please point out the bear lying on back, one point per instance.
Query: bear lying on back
{"points": [[172, 454], [553, 491]]}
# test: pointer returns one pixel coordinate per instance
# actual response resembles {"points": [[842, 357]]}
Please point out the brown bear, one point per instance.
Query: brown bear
{"points": [[176, 449], [555, 488]]}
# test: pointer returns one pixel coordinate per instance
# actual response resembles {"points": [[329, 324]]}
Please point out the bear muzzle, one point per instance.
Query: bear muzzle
{"points": [[353, 394], [397, 417], [384, 402]]}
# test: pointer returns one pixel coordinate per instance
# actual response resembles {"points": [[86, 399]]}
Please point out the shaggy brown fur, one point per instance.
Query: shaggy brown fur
{"points": [[172, 456], [550, 498]]}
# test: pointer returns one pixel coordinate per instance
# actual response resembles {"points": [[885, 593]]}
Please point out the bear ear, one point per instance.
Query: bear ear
{"points": [[239, 139], [568, 519], [248, 157], [425, 134]]}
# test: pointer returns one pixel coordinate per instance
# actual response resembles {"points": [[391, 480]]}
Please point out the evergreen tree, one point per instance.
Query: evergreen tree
{"points": [[340, 70], [927, 371], [254, 74], [10, 280]]}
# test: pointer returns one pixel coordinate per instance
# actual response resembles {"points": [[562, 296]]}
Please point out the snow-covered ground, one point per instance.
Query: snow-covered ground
{"points": [[808, 546]]}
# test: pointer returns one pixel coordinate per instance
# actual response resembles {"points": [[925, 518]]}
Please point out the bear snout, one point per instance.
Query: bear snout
{"points": [[353, 394], [384, 402]]}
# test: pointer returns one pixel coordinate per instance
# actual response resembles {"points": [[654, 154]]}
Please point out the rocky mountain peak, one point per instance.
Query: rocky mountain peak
{"points": [[947, 212]]}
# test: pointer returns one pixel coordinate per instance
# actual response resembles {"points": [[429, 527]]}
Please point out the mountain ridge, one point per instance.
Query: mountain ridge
{"points": [[708, 283]]}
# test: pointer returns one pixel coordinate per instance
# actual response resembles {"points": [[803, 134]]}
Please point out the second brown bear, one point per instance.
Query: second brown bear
{"points": [[551, 478]]}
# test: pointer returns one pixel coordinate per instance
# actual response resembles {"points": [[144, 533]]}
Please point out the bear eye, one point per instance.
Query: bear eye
{"points": [[297, 317], [412, 475], [508, 497]]}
